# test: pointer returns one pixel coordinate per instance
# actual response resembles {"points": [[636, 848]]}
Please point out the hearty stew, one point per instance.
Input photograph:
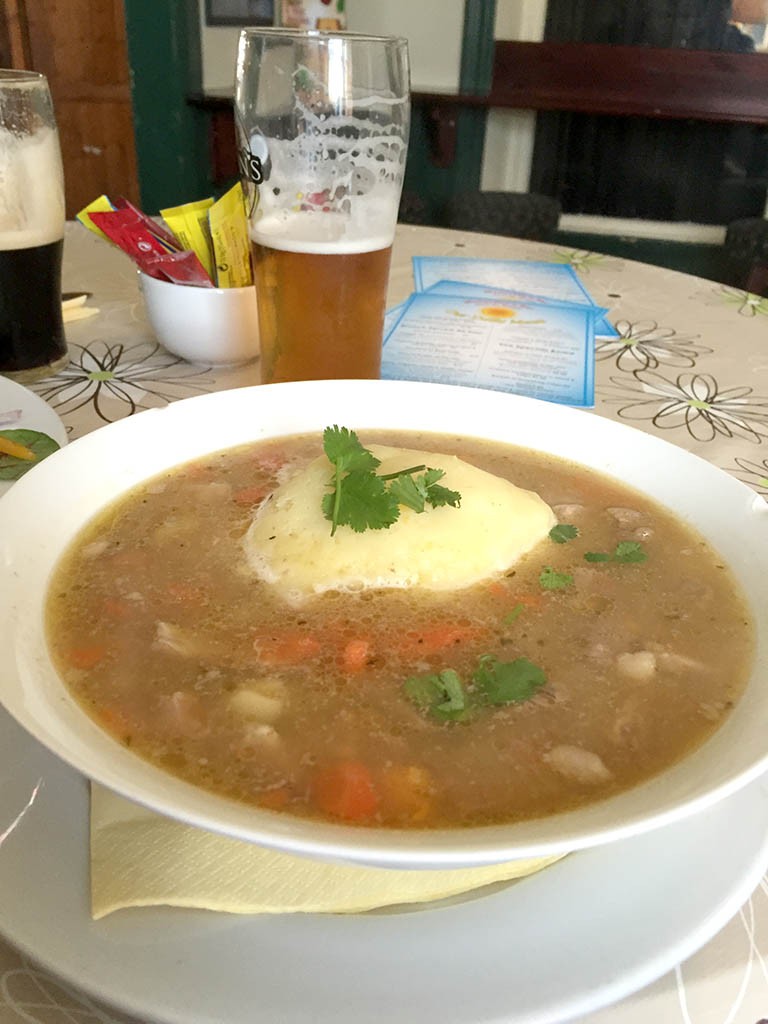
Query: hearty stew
{"points": [[611, 645]]}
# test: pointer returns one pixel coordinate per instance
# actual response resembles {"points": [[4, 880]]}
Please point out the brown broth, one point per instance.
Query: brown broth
{"points": [[346, 742]]}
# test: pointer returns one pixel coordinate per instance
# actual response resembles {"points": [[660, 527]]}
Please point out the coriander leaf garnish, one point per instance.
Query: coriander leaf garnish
{"points": [[563, 532], [409, 491], [626, 552], [516, 612], [419, 491], [507, 682], [363, 500], [438, 495], [629, 551], [494, 683], [363, 503], [550, 579], [343, 448], [442, 694]]}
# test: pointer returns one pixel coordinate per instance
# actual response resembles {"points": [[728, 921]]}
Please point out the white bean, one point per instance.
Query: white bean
{"points": [[578, 764], [638, 665]]}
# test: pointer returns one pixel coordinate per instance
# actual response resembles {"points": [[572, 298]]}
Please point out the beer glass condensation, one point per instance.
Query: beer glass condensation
{"points": [[32, 342], [322, 121]]}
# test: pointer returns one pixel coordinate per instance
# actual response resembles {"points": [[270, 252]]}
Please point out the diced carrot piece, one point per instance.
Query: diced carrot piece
{"points": [[355, 655], [407, 792], [289, 648], [86, 657], [345, 790], [271, 461], [498, 589], [133, 558], [529, 600], [114, 720], [198, 472], [252, 495], [118, 608], [185, 593], [437, 638], [274, 799]]}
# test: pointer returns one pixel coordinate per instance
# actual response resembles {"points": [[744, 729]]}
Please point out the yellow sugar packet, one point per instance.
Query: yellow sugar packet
{"points": [[101, 205], [189, 223], [229, 233]]}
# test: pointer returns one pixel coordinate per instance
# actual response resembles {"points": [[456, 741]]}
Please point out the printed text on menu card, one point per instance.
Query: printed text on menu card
{"points": [[536, 348]]}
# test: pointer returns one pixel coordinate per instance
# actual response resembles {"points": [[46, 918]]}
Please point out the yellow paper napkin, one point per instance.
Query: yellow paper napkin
{"points": [[81, 313], [74, 308], [142, 859]]}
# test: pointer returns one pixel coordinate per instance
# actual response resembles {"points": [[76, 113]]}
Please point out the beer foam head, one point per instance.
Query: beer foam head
{"points": [[335, 187], [31, 189]]}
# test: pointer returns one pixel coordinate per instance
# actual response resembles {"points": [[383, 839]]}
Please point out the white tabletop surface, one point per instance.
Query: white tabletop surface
{"points": [[691, 365]]}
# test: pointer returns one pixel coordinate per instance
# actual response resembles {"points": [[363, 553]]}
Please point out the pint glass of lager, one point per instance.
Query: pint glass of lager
{"points": [[32, 341], [322, 121]]}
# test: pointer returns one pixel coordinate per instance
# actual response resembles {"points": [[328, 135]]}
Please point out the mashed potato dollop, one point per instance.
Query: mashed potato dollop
{"points": [[289, 543]]}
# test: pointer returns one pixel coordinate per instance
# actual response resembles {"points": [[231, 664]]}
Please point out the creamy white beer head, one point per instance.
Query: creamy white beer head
{"points": [[31, 189], [335, 188]]}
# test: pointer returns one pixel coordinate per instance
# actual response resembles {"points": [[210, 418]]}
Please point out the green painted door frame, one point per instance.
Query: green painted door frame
{"points": [[171, 136], [435, 185]]}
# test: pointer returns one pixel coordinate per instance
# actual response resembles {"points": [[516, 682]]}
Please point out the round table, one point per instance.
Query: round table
{"points": [[690, 364]]}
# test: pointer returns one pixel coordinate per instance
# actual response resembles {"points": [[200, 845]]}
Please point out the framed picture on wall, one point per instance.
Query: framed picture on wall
{"points": [[240, 12]]}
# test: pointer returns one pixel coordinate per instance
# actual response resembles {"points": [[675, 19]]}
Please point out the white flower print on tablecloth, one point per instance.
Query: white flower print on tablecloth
{"points": [[753, 473], [741, 302], [118, 380], [583, 261], [691, 401], [644, 345], [34, 997]]}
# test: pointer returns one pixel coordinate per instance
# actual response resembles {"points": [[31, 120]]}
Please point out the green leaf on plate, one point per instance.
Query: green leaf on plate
{"points": [[11, 468]]}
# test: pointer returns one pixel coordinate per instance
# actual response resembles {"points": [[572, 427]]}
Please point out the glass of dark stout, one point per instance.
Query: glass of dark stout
{"points": [[32, 342]]}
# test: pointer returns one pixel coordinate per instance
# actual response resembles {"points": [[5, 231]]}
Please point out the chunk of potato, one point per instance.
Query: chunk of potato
{"points": [[263, 700]]}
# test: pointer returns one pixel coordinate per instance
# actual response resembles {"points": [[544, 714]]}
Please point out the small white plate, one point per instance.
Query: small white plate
{"points": [[587, 931], [21, 409]]}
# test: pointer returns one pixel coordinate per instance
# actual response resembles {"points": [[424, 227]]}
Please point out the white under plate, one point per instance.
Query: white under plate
{"points": [[587, 931], [22, 409]]}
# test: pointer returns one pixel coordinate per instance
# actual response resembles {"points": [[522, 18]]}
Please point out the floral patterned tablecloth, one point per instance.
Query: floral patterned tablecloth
{"points": [[690, 364]]}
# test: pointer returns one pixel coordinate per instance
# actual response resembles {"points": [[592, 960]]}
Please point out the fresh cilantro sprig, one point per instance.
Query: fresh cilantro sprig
{"points": [[563, 532], [443, 695], [363, 500], [626, 552], [507, 682], [513, 615], [550, 579]]}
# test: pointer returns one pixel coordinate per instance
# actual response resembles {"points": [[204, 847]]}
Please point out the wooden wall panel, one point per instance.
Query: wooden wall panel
{"points": [[80, 45]]}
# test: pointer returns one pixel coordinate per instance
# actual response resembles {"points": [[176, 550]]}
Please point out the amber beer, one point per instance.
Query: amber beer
{"points": [[322, 125], [321, 313]]}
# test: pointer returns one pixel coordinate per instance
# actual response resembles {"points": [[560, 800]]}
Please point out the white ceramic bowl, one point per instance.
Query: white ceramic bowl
{"points": [[219, 326], [95, 469]]}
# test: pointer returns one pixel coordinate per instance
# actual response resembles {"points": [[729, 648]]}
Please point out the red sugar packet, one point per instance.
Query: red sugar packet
{"points": [[177, 267], [158, 230], [129, 232]]}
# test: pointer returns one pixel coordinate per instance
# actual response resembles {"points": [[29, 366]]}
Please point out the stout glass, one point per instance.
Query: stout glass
{"points": [[32, 343], [322, 121]]}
